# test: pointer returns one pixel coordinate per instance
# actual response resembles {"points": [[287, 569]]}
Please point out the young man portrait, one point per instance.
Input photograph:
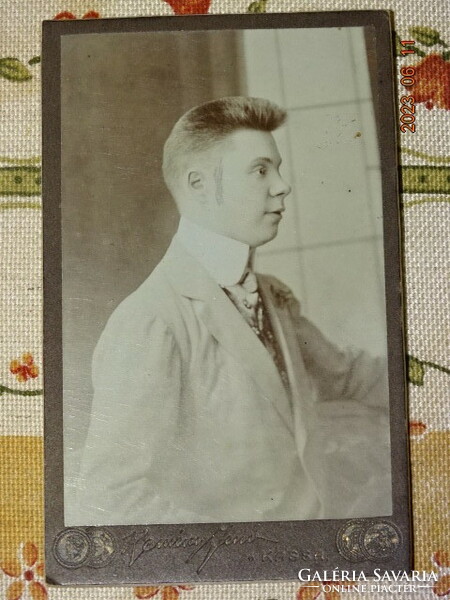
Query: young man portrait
{"points": [[215, 398]]}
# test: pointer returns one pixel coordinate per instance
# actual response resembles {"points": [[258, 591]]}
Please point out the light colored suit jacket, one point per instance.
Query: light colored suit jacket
{"points": [[191, 422]]}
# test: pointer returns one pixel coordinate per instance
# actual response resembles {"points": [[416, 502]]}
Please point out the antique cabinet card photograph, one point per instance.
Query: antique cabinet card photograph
{"points": [[224, 365]]}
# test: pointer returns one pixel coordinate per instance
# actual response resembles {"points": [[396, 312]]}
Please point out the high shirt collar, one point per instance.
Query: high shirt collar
{"points": [[225, 259]]}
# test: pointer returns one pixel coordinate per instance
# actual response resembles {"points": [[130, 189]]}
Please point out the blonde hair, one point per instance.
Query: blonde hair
{"points": [[205, 125]]}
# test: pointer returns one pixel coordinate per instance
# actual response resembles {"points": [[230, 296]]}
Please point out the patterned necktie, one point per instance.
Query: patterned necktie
{"points": [[248, 301]]}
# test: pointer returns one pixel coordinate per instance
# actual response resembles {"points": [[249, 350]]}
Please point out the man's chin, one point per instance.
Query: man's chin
{"points": [[268, 237]]}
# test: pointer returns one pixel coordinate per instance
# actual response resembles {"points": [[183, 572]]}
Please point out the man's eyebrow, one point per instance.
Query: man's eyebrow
{"points": [[264, 159]]}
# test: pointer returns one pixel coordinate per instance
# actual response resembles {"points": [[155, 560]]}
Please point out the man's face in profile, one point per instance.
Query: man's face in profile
{"points": [[249, 190]]}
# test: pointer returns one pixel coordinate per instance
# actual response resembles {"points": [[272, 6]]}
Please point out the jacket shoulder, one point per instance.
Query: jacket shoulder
{"points": [[153, 300]]}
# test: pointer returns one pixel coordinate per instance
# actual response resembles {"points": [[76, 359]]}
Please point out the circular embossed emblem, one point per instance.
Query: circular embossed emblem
{"points": [[103, 548], [348, 540], [71, 548], [380, 540]]}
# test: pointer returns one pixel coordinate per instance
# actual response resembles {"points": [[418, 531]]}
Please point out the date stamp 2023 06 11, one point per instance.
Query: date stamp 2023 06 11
{"points": [[408, 103]]}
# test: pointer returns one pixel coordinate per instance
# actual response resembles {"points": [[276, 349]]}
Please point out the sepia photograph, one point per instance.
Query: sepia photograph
{"points": [[223, 269]]}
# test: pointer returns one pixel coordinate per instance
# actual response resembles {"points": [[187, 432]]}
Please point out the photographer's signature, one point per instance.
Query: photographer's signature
{"points": [[139, 543]]}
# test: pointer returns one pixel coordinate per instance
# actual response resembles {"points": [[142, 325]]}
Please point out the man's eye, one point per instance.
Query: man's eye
{"points": [[261, 170]]}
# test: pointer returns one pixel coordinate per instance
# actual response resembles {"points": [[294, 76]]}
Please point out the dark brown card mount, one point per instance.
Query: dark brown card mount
{"points": [[189, 552]]}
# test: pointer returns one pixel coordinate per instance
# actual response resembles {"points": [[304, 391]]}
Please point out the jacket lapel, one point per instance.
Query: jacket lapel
{"points": [[227, 326], [284, 325]]}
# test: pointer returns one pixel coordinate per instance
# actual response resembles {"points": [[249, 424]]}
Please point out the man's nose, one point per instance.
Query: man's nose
{"points": [[280, 187]]}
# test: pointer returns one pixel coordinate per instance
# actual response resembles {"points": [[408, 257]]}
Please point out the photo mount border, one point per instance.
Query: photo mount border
{"points": [[208, 552]]}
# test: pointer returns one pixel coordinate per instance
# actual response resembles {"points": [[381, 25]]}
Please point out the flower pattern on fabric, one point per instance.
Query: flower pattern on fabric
{"points": [[166, 592], [24, 368], [189, 7], [429, 83], [65, 15], [258, 6], [442, 586], [432, 82], [25, 572], [13, 69], [417, 369], [417, 428]]}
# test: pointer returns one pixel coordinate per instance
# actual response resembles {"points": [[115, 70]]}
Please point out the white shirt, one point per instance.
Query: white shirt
{"points": [[225, 259]]}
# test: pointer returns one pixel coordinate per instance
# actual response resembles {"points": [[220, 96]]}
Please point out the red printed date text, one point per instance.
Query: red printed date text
{"points": [[407, 103]]}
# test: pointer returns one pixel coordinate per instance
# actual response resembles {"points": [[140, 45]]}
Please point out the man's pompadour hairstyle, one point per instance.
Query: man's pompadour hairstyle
{"points": [[205, 125]]}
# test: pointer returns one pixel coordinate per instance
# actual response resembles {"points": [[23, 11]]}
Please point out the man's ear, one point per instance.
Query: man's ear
{"points": [[196, 181]]}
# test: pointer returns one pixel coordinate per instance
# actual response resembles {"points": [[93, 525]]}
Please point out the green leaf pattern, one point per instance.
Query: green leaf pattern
{"points": [[427, 36], [259, 6], [416, 371], [14, 70]]}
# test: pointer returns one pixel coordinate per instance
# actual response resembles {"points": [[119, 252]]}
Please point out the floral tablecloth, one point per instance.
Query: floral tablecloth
{"points": [[425, 158]]}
